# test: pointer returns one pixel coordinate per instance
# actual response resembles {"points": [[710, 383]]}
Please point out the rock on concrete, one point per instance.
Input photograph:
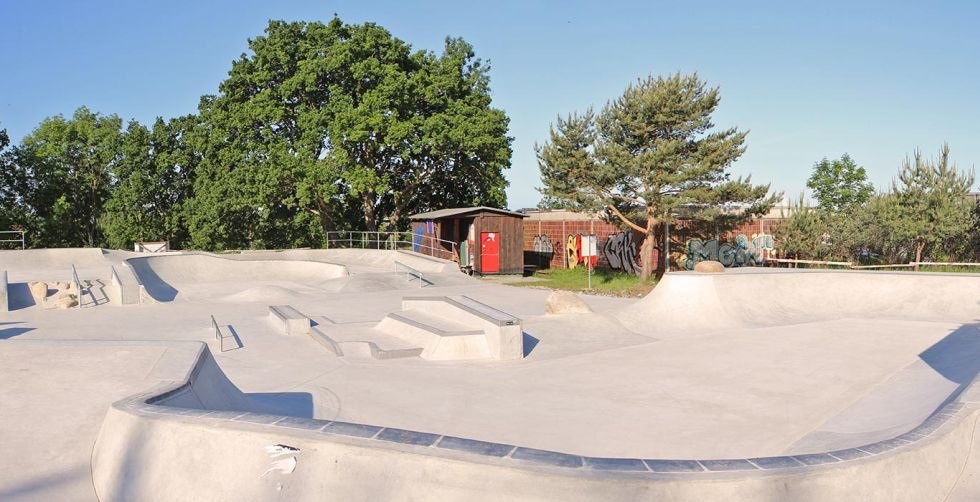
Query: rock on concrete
{"points": [[709, 267], [565, 302], [66, 301], [39, 290]]}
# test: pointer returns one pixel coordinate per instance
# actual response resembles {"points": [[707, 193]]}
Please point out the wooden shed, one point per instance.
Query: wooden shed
{"points": [[487, 240]]}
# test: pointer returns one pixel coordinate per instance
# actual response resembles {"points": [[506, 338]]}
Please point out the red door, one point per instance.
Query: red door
{"points": [[489, 252]]}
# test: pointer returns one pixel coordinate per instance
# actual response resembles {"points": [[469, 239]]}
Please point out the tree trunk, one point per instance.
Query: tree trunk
{"points": [[370, 219], [646, 251], [919, 246], [326, 222]]}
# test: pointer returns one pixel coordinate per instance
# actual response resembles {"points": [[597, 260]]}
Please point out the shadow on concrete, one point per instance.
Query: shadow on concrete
{"points": [[19, 296], [530, 343], [96, 293], [293, 404], [6, 333], [155, 286], [69, 484], [956, 357], [234, 335]]}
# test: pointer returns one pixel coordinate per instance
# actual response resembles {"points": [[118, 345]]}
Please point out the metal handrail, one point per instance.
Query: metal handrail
{"points": [[425, 244], [411, 272], [217, 334], [78, 284], [22, 240]]}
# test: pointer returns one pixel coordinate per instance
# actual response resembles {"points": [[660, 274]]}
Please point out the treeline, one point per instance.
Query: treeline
{"points": [[928, 214], [321, 127]]}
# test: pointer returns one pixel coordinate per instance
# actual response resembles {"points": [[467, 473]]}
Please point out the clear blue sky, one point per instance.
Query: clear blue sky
{"points": [[875, 80]]}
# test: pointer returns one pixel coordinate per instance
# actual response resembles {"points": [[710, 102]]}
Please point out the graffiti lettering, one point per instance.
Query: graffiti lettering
{"points": [[741, 253], [571, 251], [542, 245], [620, 252]]}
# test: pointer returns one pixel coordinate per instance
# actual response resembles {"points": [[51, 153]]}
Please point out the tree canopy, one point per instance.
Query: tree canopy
{"points": [[933, 203], [648, 154], [334, 126], [839, 183], [61, 176], [152, 183]]}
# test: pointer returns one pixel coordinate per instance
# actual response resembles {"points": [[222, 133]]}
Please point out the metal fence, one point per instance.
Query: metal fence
{"points": [[10, 236], [406, 241]]}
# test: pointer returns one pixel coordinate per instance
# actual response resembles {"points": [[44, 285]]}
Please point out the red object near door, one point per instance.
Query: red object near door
{"points": [[489, 252]]}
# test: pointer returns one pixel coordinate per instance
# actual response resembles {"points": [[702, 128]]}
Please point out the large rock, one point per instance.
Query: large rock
{"points": [[39, 290], [66, 301], [565, 302], [709, 267]]}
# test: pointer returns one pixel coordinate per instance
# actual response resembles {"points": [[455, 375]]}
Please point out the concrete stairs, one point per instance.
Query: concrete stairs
{"points": [[436, 328], [361, 341]]}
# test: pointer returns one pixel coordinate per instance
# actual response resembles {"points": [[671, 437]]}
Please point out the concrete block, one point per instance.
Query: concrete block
{"points": [[615, 464], [475, 446], [674, 465], [728, 465], [123, 288], [289, 320], [408, 437], [4, 296], [349, 429], [503, 332]]}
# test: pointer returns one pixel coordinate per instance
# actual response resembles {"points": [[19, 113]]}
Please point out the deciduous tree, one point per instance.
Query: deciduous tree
{"points": [[65, 169], [840, 183], [153, 181], [332, 126]]}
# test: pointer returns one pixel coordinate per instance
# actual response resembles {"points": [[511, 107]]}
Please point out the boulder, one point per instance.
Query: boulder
{"points": [[709, 267], [565, 302], [39, 290], [66, 301]]}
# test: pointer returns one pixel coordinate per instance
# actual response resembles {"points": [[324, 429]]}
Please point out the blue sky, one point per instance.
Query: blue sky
{"points": [[875, 80]]}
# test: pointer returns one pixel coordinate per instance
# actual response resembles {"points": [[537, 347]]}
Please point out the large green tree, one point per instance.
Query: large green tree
{"points": [[63, 174], [935, 209], [654, 152], [840, 183], [11, 210], [334, 126], [153, 181]]}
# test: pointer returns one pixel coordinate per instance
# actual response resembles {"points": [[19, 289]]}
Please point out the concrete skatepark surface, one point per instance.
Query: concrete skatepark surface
{"points": [[729, 366]]}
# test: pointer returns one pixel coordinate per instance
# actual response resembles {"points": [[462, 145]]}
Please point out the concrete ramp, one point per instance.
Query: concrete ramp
{"points": [[167, 277], [687, 303], [184, 441]]}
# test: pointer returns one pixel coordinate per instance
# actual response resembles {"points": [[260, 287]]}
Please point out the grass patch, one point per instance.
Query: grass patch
{"points": [[605, 282]]}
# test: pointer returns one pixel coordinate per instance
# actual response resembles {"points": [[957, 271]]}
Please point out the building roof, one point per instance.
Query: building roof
{"points": [[461, 211]]}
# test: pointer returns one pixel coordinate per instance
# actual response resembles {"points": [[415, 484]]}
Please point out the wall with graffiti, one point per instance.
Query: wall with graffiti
{"points": [[740, 252], [555, 243], [622, 251]]}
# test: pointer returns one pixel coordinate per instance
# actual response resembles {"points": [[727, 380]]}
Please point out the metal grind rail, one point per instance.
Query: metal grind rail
{"points": [[217, 334], [78, 285], [411, 272]]}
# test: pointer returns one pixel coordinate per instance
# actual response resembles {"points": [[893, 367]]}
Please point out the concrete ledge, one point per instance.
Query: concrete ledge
{"points": [[504, 333], [290, 320], [4, 296], [437, 344], [123, 288], [145, 440]]}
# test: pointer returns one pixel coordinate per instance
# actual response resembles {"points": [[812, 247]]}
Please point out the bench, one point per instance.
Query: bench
{"points": [[290, 320]]}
